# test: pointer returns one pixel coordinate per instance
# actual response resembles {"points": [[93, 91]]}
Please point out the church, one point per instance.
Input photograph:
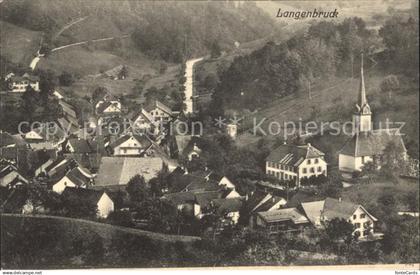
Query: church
{"points": [[367, 144]]}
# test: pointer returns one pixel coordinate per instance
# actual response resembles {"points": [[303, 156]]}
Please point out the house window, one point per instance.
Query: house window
{"points": [[304, 170], [312, 170], [319, 169], [354, 217], [309, 161], [363, 159], [362, 216], [316, 160]]}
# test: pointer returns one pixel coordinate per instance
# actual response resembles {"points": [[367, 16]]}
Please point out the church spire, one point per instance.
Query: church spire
{"points": [[362, 105], [362, 90], [362, 118]]}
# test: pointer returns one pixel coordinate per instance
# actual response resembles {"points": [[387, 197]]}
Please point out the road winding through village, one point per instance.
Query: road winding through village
{"points": [[189, 84]]}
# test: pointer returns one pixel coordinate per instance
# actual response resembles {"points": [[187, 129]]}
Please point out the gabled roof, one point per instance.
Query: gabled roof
{"points": [[157, 104], [119, 170], [268, 203], [313, 210], [293, 155], [68, 109], [372, 143], [334, 208], [286, 214], [90, 195], [79, 176], [143, 113], [102, 105], [182, 142], [7, 139], [16, 78], [227, 205], [81, 146], [68, 123], [180, 198], [143, 140], [49, 132], [254, 200], [331, 208], [204, 198]]}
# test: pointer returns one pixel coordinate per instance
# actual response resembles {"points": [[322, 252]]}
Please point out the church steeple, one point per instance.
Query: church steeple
{"points": [[362, 118], [362, 105]]}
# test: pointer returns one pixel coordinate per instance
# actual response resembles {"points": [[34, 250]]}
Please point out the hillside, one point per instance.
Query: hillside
{"points": [[60, 242], [161, 29], [147, 36]]}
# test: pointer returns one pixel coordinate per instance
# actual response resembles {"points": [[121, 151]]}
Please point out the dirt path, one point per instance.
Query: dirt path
{"points": [[68, 26]]}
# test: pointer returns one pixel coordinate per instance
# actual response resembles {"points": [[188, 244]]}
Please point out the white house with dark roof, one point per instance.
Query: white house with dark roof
{"points": [[108, 107], [292, 163], [10, 176], [130, 145], [323, 211], [159, 111], [143, 121], [104, 203], [366, 144], [76, 177], [18, 84]]}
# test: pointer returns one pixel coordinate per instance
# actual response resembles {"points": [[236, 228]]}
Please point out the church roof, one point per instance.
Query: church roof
{"points": [[372, 143]]}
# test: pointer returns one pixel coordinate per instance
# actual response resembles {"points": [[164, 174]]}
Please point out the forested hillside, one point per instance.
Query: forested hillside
{"points": [[167, 30], [326, 49]]}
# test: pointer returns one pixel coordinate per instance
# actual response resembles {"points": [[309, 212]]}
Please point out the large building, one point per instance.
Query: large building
{"points": [[366, 144], [321, 212], [18, 84], [290, 162]]}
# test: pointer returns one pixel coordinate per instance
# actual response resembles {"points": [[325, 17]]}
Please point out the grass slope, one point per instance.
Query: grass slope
{"points": [[18, 45], [69, 230]]}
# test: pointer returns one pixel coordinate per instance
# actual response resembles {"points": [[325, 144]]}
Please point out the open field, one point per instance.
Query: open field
{"points": [[65, 233], [17, 44]]}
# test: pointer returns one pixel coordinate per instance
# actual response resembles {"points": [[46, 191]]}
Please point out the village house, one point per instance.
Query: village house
{"points": [[228, 209], [117, 171], [76, 177], [69, 114], [108, 108], [130, 145], [46, 136], [18, 84], [119, 72], [10, 176], [293, 163], [159, 111], [143, 122], [321, 212], [100, 198], [367, 144], [287, 220]]}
